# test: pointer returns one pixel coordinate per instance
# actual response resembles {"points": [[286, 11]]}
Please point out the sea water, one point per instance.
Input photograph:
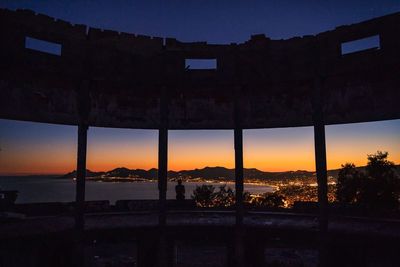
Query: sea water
{"points": [[51, 189]]}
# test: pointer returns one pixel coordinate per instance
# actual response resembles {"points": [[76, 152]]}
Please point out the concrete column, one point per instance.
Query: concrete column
{"points": [[83, 101], [238, 136], [80, 177], [162, 173], [162, 256], [80, 195], [321, 168], [238, 143], [239, 231], [83, 104], [320, 161], [320, 155]]}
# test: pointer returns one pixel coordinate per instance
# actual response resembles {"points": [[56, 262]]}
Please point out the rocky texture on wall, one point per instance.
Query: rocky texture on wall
{"points": [[119, 78]]}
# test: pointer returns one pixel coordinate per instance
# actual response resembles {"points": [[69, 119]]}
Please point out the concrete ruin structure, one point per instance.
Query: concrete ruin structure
{"points": [[114, 79]]}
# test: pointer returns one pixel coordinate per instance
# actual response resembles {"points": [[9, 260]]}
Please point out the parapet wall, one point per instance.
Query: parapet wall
{"points": [[272, 83]]}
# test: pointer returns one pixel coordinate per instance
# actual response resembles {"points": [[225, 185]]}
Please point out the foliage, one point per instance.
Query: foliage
{"points": [[270, 200], [224, 197], [382, 186], [207, 196], [377, 188], [349, 184], [204, 195], [285, 197], [247, 197]]}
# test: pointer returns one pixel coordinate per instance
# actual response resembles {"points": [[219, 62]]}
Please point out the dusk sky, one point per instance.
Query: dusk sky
{"points": [[33, 148]]}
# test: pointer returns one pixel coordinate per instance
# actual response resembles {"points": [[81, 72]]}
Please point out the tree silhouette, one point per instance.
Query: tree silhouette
{"points": [[271, 200], [377, 188], [207, 196], [225, 197], [349, 184], [382, 187], [204, 195]]}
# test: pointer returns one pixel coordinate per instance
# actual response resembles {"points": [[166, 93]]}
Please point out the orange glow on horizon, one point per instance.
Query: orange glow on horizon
{"points": [[267, 150], [63, 164], [31, 160]]}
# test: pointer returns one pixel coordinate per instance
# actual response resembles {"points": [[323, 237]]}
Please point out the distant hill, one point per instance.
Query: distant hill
{"points": [[334, 173], [88, 174], [212, 173]]}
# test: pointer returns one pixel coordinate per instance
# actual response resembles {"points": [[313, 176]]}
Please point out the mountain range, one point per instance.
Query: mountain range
{"points": [[204, 173], [211, 173]]}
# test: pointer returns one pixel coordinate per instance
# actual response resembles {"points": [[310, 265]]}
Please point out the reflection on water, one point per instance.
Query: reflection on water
{"points": [[45, 189]]}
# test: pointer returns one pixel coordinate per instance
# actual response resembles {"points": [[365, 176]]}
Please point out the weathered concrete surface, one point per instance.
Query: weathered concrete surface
{"points": [[263, 221], [125, 73], [43, 241]]}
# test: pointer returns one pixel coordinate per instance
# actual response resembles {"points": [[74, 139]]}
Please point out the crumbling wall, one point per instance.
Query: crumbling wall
{"points": [[272, 82]]}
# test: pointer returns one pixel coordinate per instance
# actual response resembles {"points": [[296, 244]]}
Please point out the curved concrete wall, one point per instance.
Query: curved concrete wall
{"points": [[117, 78]]}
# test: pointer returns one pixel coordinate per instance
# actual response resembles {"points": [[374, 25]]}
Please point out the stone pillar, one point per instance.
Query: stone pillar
{"points": [[238, 143], [83, 103], [320, 161], [238, 136], [321, 168], [162, 179], [162, 173], [80, 177]]}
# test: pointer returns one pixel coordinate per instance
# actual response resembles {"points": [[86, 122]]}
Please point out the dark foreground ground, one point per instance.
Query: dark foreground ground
{"points": [[197, 238]]}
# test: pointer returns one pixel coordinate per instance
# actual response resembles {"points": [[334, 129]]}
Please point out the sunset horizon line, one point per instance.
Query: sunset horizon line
{"points": [[146, 169], [154, 168]]}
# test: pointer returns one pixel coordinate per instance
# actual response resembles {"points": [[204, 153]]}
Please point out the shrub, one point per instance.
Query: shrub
{"points": [[377, 188]]}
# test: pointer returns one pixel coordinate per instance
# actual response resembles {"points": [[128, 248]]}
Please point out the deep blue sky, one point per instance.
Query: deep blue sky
{"points": [[215, 21]]}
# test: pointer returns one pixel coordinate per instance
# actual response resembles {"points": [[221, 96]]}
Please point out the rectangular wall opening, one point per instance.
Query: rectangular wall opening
{"points": [[43, 46], [368, 43], [34, 160], [363, 166], [200, 64], [121, 167], [279, 169], [204, 161]]}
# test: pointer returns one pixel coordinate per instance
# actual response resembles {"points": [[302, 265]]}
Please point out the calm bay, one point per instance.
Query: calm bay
{"points": [[50, 189]]}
